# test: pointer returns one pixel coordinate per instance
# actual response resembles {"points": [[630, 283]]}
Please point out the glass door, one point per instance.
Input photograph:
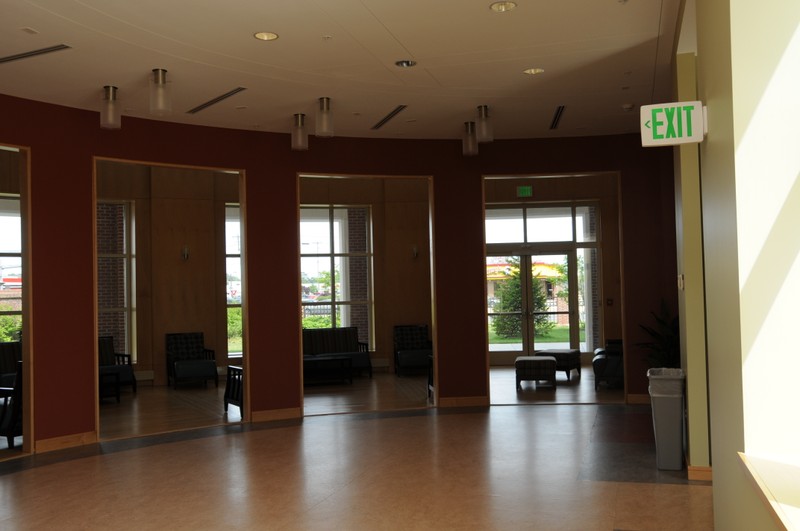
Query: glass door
{"points": [[508, 312], [529, 303], [551, 306]]}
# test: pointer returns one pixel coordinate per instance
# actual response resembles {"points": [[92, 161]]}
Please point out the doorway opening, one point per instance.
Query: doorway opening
{"points": [[168, 254], [551, 283], [365, 265]]}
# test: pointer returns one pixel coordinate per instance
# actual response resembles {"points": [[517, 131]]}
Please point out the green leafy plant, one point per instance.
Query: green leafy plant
{"points": [[664, 347]]}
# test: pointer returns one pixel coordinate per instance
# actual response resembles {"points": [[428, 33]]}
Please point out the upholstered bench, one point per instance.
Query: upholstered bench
{"points": [[566, 359], [536, 368]]}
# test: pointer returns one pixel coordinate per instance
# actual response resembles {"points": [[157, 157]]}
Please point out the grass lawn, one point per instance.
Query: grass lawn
{"points": [[234, 344], [559, 334]]}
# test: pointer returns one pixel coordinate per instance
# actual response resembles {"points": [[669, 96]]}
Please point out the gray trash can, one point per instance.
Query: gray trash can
{"points": [[666, 398]]}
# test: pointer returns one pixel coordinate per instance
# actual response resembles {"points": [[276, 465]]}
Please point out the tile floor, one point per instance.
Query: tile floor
{"points": [[558, 467]]}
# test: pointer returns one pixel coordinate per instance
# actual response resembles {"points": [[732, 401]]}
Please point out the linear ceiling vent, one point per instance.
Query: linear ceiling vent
{"points": [[397, 110], [557, 117], [216, 100], [34, 53]]}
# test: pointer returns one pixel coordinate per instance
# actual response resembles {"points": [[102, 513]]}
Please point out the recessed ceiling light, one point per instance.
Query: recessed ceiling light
{"points": [[502, 7], [405, 63], [627, 107], [533, 71], [265, 36]]}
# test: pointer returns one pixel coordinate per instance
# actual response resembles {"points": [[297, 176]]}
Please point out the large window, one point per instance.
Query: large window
{"points": [[336, 267], [233, 278], [115, 279], [10, 269]]}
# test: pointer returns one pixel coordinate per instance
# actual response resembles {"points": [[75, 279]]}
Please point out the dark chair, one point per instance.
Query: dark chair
{"points": [[188, 360], [608, 366], [234, 388], [10, 355], [412, 348], [11, 416], [112, 362]]}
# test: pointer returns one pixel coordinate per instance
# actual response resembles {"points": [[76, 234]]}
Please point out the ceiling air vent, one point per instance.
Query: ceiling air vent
{"points": [[216, 100], [397, 110], [34, 53], [557, 117]]}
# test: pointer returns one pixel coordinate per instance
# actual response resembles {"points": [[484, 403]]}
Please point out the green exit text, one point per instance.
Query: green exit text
{"points": [[678, 121]]}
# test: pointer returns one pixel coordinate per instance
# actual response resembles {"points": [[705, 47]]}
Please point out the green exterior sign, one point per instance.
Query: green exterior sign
{"points": [[668, 124]]}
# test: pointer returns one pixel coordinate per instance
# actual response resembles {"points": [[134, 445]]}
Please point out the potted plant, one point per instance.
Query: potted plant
{"points": [[665, 340]]}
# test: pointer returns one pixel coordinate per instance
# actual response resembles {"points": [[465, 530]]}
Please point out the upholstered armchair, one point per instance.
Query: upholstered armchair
{"points": [[412, 348], [188, 360], [608, 365], [112, 362]]}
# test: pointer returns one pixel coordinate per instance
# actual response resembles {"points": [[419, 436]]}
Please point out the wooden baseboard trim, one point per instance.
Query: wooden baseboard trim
{"points": [[699, 473], [67, 441], [637, 399], [463, 401], [276, 414]]}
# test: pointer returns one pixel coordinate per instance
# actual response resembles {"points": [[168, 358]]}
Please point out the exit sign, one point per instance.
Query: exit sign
{"points": [[525, 191], [667, 124]]}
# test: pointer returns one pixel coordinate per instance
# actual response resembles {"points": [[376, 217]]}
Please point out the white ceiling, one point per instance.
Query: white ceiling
{"points": [[597, 56]]}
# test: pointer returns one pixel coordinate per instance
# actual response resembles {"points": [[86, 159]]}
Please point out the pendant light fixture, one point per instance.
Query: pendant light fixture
{"points": [[109, 113], [484, 130], [160, 100], [469, 142], [324, 118], [299, 133]]}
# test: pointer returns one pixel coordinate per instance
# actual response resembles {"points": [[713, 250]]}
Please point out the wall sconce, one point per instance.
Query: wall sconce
{"points": [[299, 133], [469, 142], [324, 118], [160, 100], [185, 253], [483, 129], [109, 113]]}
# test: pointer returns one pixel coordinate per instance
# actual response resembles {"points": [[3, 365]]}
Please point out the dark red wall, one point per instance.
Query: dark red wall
{"points": [[64, 141]]}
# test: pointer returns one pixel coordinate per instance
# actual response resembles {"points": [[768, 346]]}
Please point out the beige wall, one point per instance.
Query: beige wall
{"points": [[691, 295], [748, 72]]}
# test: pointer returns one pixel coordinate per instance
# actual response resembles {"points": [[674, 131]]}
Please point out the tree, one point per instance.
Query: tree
{"points": [[509, 299]]}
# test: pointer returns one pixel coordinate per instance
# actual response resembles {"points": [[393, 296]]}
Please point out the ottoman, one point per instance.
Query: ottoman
{"points": [[536, 368], [566, 359]]}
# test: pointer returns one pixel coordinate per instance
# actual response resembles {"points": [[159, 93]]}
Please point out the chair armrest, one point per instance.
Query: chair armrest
{"points": [[209, 354], [363, 346]]}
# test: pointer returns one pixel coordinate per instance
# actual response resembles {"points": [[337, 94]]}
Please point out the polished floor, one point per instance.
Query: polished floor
{"points": [[536, 464]]}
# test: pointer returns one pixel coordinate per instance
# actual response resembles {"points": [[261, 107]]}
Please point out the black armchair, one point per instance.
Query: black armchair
{"points": [[412, 348], [11, 416], [112, 362], [189, 360], [608, 365]]}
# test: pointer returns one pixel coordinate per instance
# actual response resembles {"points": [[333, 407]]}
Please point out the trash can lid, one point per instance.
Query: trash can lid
{"points": [[665, 372]]}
